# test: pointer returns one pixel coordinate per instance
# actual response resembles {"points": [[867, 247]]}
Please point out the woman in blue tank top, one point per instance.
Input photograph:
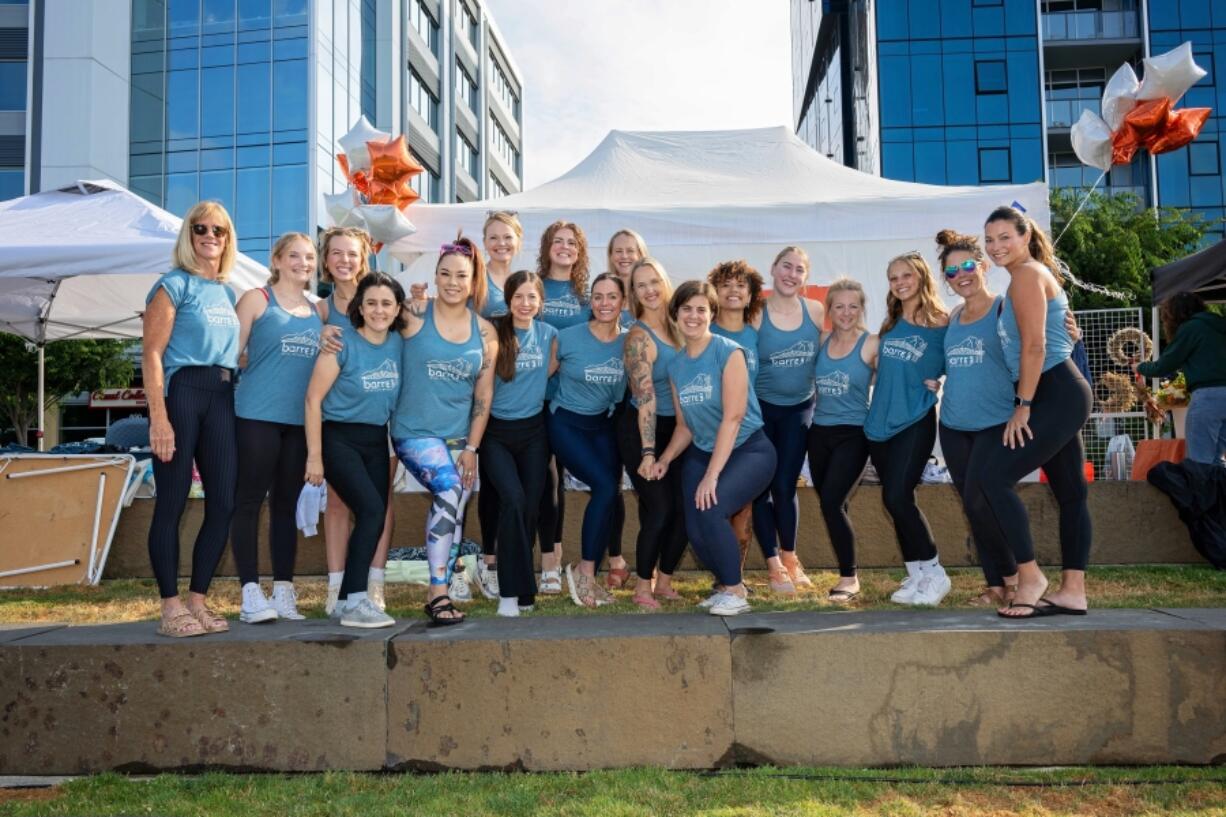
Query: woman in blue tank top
{"points": [[445, 393], [344, 254], [502, 236], [739, 289], [730, 460], [279, 331], [515, 453], [591, 382], [789, 328], [626, 248], [1052, 403], [901, 425], [837, 446], [645, 428], [350, 398]]}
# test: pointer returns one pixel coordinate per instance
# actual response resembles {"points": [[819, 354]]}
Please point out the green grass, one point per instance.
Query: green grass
{"points": [[1110, 587], [1173, 791]]}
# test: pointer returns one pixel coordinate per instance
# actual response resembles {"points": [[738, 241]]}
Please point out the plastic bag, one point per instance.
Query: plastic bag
{"points": [[1120, 454]]}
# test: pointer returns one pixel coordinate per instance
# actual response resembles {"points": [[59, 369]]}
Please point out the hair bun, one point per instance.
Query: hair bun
{"points": [[948, 237]]}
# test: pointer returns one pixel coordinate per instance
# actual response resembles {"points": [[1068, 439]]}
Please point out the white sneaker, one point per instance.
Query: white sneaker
{"points": [[487, 579], [285, 602], [710, 600], [905, 594], [728, 604], [256, 609], [933, 586], [459, 589], [334, 594], [374, 592], [365, 615]]}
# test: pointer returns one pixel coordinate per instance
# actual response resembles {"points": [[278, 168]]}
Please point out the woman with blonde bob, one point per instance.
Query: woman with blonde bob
{"points": [[838, 449], [646, 428], [626, 248], [503, 236], [901, 425], [189, 357]]}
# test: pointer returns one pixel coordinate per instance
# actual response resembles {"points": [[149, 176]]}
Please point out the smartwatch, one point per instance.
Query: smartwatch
{"points": [[1021, 402]]}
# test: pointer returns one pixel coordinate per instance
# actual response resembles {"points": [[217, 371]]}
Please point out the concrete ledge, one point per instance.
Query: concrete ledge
{"points": [[857, 689], [1134, 523]]}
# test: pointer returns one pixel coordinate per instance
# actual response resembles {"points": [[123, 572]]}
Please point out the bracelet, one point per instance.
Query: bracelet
{"points": [[470, 448], [647, 452]]}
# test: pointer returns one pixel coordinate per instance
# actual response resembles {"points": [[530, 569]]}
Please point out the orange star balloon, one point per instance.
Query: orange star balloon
{"points": [[1138, 126], [1181, 128], [391, 161]]}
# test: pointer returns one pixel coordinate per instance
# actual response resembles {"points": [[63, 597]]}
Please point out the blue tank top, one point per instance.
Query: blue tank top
{"points": [[281, 352], [842, 386], [626, 320], [747, 339], [495, 301], [524, 396], [591, 372], [1059, 345], [205, 331], [335, 316], [699, 383], [978, 391], [659, 375], [366, 389], [908, 355], [436, 387], [785, 376], [562, 308]]}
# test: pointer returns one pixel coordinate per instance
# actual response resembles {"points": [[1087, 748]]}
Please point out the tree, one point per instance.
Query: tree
{"points": [[1114, 242], [72, 366]]}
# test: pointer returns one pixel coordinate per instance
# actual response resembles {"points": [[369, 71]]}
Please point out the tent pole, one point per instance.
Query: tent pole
{"points": [[42, 420]]}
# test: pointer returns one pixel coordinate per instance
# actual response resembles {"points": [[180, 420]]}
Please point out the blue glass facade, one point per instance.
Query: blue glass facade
{"points": [[1193, 177], [959, 90], [219, 111], [14, 71]]}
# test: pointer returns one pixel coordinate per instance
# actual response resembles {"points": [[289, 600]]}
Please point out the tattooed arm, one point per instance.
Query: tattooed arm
{"points": [[483, 395], [414, 314], [640, 355]]}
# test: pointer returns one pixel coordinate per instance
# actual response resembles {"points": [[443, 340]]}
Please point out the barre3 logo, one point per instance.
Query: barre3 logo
{"points": [[303, 344], [799, 353], [698, 390], [220, 315], [835, 384], [909, 349], [455, 370], [384, 378], [530, 355], [610, 372], [561, 307], [967, 353]]}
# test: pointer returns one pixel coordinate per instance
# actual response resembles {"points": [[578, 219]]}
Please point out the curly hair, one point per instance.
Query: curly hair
{"points": [[1178, 309], [740, 270], [579, 272], [356, 233], [930, 306]]}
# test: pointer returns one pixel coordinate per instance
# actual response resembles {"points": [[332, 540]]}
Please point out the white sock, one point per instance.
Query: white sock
{"points": [[278, 585], [354, 599], [508, 606], [334, 579], [913, 569], [376, 575], [932, 565]]}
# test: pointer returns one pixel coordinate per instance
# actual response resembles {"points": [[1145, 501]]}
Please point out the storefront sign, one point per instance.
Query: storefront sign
{"points": [[117, 398]]}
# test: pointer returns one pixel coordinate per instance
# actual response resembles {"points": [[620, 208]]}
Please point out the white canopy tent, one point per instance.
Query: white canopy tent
{"points": [[707, 196], [77, 263]]}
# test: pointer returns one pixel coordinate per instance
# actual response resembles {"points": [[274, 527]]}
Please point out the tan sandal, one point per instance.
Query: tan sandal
{"points": [[181, 625], [795, 571], [782, 584], [988, 598], [210, 620]]}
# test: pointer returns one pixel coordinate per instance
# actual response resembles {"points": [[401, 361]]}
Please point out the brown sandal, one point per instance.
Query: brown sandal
{"points": [[617, 578], [795, 571], [987, 598], [210, 620], [181, 625]]}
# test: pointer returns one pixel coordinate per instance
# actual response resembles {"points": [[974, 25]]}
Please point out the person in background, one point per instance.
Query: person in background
{"points": [[901, 425], [626, 248], [279, 332], [349, 401], [189, 357], [730, 460], [1196, 341]]}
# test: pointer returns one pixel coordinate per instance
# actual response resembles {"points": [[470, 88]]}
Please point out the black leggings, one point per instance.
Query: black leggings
{"points": [[661, 514], [355, 464], [514, 459], [552, 516], [272, 460], [836, 460], [200, 407], [1061, 408], [900, 463], [959, 448], [776, 513]]}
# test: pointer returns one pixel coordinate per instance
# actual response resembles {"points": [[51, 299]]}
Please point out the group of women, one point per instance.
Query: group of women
{"points": [[709, 396]]}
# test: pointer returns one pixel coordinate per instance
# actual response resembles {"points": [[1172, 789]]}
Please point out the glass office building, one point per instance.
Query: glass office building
{"points": [[986, 91], [14, 76]]}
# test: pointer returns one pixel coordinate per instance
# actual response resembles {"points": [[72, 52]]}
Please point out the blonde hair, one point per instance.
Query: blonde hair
{"points": [[638, 242], [636, 308], [280, 247], [357, 233], [930, 307], [184, 253], [804, 256], [504, 217], [848, 285]]}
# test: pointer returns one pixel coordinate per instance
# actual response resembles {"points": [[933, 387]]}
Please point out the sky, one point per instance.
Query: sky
{"points": [[593, 66]]}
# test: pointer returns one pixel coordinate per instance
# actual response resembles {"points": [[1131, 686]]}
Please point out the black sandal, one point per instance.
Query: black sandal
{"points": [[442, 604]]}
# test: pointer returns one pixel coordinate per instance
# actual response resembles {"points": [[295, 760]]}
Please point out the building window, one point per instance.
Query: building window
{"points": [[496, 190], [993, 165], [466, 24], [466, 156], [465, 87], [503, 88], [369, 63], [426, 185], [13, 85], [12, 182], [425, 25], [504, 146], [1203, 159], [991, 77], [422, 100]]}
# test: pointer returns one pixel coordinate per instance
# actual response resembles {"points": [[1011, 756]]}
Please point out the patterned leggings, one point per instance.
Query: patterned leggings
{"points": [[431, 461]]}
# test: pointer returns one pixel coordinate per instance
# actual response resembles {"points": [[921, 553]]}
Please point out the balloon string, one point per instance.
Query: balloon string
{"points": [[1084, 199], [1064, 268]]}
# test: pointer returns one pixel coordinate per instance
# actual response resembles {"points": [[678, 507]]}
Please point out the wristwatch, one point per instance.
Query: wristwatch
{"points": [[471, 449], [1021, 402]]}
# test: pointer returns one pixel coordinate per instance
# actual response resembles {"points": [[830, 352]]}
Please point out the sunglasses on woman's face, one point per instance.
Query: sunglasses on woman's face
{"points": [[203, 229], [966, 266]]}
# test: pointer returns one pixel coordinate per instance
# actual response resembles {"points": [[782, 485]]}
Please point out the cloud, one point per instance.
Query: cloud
{"points": [[642, 65]]}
